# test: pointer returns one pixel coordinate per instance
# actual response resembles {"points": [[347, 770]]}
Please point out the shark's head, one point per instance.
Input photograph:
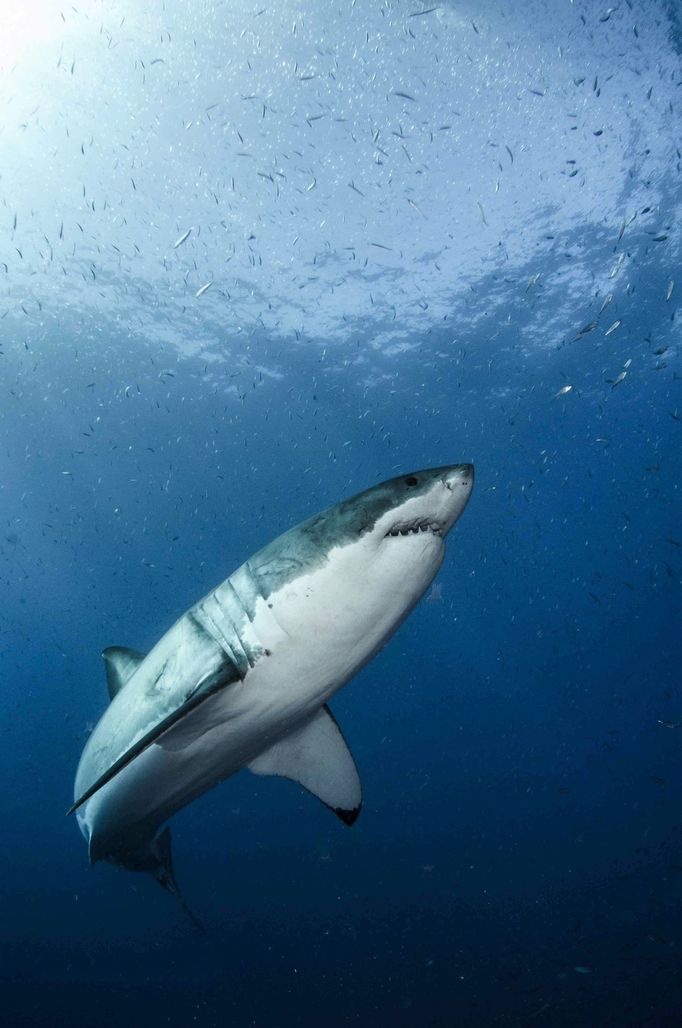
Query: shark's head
{"points": [[403, 523], [383, 546], [422, 504]]}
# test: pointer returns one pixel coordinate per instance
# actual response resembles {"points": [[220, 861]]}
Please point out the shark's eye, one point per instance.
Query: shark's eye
{"points": [[410, 480]]}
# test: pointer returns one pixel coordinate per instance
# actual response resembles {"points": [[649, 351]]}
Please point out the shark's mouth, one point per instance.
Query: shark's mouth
{"points": [[421, 526]]}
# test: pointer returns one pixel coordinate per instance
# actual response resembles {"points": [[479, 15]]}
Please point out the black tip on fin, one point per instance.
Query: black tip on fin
{"points": [[349, 817], [166, 878]]}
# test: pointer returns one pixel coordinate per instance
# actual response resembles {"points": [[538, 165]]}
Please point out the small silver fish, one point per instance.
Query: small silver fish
{"points": [[202, 290], [532, 280], [671, 286], [617, 266], [612, 328], [585, 329], [182, 239], [618, 379], [563, 391], [607, 300]]}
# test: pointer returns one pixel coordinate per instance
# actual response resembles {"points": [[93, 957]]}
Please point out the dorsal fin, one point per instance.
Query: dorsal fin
{"points": [[204, 690], [120, 664]]}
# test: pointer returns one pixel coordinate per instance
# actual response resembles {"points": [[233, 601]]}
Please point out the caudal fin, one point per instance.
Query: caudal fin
{"points": [[166, 878]]}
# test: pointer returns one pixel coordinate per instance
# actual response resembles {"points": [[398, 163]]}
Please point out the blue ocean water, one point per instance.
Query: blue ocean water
{"points": [[420, 225]]}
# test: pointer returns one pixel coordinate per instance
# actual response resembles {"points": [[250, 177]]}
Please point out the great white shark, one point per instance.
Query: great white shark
{"points": [[243, 678]]}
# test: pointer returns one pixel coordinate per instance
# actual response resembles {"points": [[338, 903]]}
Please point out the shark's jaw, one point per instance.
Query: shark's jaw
{"points": [[430, 503], [417, 527]]}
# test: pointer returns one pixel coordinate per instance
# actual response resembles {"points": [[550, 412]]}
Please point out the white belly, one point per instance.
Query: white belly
{"points": [[219, 737], [316, 633]]}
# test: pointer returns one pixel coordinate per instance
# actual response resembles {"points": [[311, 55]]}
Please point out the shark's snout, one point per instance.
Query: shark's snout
{"points": [[458, 481], [460, 476]]}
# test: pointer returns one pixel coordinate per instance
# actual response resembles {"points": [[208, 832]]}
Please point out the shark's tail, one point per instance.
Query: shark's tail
{"points": [[166, 878]]}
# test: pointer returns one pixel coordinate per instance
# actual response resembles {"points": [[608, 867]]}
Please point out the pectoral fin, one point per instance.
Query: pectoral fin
{"points": [[120, 665], [317, 757], [203, 691]]}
